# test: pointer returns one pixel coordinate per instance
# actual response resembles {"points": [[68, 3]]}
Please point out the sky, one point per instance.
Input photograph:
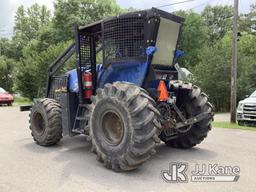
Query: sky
{"points": [[8, 8]]}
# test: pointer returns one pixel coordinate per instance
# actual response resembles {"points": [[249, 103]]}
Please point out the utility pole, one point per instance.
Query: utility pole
{"points": [[234, 65]]}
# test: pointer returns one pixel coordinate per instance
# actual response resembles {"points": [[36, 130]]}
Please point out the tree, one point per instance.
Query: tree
{"points": [[246, 65], [219, 21], [247, 21], [6, 48], [193, 37], [28, 23], [212, 74], [6, 68], [82, 12], [31, 76]]}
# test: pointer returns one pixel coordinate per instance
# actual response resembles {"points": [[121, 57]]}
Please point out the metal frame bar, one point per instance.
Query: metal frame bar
{"points": [[60, 61], [78, 63]]}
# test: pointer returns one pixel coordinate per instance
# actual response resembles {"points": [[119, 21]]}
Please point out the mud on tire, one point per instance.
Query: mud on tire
{"points": [[45, 122], [196, 102], [128, 108]]}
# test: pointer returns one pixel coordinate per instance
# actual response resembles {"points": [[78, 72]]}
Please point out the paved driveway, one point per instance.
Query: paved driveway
{"points": [[70, 166]]}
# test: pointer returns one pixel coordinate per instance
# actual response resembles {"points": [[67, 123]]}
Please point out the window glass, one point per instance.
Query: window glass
{"points": [[166, 42]]}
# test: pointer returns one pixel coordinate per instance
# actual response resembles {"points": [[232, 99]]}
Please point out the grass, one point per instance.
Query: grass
{"points": [[21, 101], [229, 125]]}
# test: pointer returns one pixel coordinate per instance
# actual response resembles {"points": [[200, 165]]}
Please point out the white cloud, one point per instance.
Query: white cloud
{"points": [[196, 4], [8, 8]]}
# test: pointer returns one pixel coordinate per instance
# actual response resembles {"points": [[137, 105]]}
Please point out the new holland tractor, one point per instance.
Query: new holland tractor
{"points": [[132, 100]]}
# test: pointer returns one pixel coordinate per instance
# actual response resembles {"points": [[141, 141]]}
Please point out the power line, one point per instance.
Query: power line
{"points": [[174, 3], [202, 4]]}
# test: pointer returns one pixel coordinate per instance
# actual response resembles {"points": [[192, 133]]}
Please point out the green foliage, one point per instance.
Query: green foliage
{"points": [[247, 21], [81, 12], [193, 38], [213, 72], [29, 21], [18, 100], [219, 21], [228, 125], [40, 39], [31, 77], [6, 76], [246, 65]]}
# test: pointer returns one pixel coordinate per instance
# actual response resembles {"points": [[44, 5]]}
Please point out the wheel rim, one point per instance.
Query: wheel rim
{"points": [[39, 122], [112, 127]]}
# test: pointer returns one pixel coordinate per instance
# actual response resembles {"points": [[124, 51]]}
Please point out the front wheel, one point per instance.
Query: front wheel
{"points": [[240, 123], [123, 126], [191, 103], [45, 122]]}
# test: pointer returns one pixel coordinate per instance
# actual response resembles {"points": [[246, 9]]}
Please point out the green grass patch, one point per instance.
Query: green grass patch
{"points": [[21, 101], [229, 125]]}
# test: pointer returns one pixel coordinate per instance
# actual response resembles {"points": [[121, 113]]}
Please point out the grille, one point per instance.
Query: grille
{"points": [[249, 111], [250, 108], [85, 55], [124, 38]]}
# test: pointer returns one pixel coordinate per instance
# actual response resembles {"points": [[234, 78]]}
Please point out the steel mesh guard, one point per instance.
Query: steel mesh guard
{"points": [[85, 55], [58, 87], [124, 39]]}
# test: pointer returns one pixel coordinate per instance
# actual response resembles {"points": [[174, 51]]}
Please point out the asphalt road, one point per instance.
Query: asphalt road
{"points": [[70, 166]]}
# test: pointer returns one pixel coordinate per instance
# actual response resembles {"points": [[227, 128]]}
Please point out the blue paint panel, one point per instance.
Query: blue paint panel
{"points": [[130, 71], [73, 81], [133, 71]]}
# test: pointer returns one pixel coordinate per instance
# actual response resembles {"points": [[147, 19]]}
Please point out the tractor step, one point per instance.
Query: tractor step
{"points": [[80, 120]]}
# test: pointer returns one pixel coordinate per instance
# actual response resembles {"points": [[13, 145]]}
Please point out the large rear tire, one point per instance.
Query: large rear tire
{"points": [[45, 122], [195, 102], [123, 126]]}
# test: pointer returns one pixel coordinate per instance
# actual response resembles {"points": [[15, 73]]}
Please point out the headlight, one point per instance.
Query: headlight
{"points": [[240, 107]]}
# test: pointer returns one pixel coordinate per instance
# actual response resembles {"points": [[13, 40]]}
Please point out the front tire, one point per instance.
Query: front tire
{"points": [[241, 123], [123, 126], [45, 122]]}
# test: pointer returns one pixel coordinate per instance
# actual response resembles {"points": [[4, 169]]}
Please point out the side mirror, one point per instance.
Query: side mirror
{"points": [[246, 96]]}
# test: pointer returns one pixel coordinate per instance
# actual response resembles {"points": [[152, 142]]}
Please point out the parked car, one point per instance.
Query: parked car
{"points": [[246, 110], [5, 97]]}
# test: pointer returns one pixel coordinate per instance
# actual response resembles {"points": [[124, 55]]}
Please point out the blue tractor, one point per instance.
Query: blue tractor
{"points": [[129, 101]]}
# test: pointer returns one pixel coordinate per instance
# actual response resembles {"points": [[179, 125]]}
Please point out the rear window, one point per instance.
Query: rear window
{"points": [[166, 42]]}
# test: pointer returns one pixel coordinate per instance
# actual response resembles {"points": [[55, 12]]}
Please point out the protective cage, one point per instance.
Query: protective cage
{"points": [[122, 38], [126, 37]]}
